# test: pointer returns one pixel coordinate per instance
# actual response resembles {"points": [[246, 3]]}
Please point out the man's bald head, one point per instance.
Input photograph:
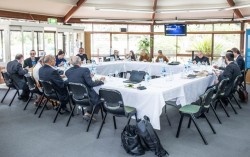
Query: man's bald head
{"points": [[75, 60], [50, 60]]}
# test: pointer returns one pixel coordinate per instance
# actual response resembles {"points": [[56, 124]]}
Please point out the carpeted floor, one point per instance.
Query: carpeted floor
{"points": [[22, 134]]}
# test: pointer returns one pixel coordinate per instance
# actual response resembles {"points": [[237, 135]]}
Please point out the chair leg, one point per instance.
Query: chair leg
{"points": [[72, 111], [211, 126], [237, 102], [13, 98], [99, 132], [114, 122], [92, 114], [18, 93], [215, 114], [197, 127], [222, 105], [43, 108], [136, 117], [39, 104], [179, 127], [189, 122], [28, 101], [232, 106], [5, 95], [101, 111], [58, 111]]}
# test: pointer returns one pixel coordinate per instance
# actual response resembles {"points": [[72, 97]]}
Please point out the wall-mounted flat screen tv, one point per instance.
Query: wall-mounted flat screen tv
{"points": [[175, 29]]}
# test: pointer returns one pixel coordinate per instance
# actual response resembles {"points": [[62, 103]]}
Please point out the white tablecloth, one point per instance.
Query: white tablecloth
{"points": [[105, 68], [151, 101]]}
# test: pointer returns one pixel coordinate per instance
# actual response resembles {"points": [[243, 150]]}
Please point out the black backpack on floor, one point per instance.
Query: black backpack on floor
{"points": [[131, 142], [149, 137]]}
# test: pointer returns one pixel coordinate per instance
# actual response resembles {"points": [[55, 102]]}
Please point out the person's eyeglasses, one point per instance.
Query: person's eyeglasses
{"points": [[32, 53]]}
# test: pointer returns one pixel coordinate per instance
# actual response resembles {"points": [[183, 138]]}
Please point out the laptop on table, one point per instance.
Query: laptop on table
{"points": [[136, 77]]}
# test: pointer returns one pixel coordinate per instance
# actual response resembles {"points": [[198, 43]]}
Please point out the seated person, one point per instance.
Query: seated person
{"points": [[48, 73], [116, 55], [78, 74], [60, 58], [201, 58], [31, 62], [231, 71], [35, 74], [238, 58], [161, 56], [82, 55], [144, 56], [221, 63], [131, 56], [16, 72]]}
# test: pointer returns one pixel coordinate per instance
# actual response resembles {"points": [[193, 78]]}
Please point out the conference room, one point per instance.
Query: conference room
{"points": [[124, 78]]}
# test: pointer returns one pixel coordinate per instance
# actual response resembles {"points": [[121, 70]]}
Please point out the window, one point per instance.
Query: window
{"points": [[100, 44], [199, 27], [134, 42], [227, 27], [1, 45], [27, 43], [15, 43], [224, 42], [138, 28], [108, 27], [120, 43], [49, 39]]}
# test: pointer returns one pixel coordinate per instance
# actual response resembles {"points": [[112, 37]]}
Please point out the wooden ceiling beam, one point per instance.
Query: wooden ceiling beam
{"points": [[236, 11], [154, 9], [73, 10]]}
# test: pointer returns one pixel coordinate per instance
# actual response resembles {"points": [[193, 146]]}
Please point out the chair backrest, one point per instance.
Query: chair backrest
{"points": [[47, 88], [7, 79], [221, 87], [207, 97], [112, 101], [79, 93], [237, 82], [30, 82], [137, 76]]}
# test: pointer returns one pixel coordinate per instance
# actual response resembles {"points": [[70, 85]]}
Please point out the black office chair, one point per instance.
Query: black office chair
{"points": [[10, 84], [51, 94], [113, 103], [196, 110], [33, 89], [228, 95], [218, 95], [80, 96], [236, 84]]}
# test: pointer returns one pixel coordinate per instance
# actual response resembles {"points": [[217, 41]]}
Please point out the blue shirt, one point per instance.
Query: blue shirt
{"points": [[58, 61]]}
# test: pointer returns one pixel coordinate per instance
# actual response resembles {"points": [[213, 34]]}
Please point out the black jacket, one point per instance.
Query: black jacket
{"points": [[231, 71], [14, 68], [83, 56], [28, 62], [240, 61], [115, 57], [81, 75], [203, 59], [47, 73]]}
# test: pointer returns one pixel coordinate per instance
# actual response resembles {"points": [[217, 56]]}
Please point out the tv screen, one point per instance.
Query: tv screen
{"points": [[175, 29]]}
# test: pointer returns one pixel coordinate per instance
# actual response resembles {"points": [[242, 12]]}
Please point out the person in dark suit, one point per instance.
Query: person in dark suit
{"points": [[14, 68], [31, 62], [82, 55], [116, 55], [231, 71], [201, 58], [238, 58], [48, 73], [78, 74]]}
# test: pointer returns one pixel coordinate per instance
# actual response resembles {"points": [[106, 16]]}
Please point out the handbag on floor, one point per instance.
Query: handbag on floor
{"points": [[243, 94], [149, 137], [131, 141]]}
